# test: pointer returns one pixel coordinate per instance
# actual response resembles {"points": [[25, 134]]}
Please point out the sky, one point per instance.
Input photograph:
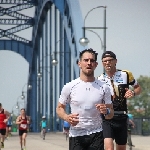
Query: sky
{"points": [[14, 71], [127, 32], [13, 79], [127, 36]]}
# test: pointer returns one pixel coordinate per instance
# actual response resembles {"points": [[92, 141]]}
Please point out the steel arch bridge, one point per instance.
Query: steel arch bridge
{"points": [[57, 28]]}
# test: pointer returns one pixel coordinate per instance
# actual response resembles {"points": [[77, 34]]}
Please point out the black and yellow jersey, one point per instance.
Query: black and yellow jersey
{"points": [[118, 84]]}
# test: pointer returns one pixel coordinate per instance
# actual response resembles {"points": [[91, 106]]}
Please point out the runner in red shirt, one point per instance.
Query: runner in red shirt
{"points": [[23, 121], [4, 116]]}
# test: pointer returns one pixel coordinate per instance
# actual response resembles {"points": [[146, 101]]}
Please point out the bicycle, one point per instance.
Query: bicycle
{"points": [[43, 133]]}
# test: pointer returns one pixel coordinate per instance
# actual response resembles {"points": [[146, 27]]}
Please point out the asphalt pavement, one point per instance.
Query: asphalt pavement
{"points": [[57, 141]]}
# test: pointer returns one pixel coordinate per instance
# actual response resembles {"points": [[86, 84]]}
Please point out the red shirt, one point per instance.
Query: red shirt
{"points": [[23, 125], [2, 118]]}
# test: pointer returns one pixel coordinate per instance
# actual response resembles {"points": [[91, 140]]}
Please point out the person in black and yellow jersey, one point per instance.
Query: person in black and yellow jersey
{"points": [[118, 82]]}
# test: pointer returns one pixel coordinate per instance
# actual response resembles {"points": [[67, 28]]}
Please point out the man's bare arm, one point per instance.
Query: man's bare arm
{"points": [[60, 110], [73, 119], [131, 93], [137, 89], [7, 115]]}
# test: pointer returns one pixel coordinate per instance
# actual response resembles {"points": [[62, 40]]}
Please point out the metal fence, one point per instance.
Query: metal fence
{"points": [[142, 126]]}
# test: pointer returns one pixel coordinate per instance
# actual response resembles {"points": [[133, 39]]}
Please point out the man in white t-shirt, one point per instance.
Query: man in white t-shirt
{"points": [[88, 99]]}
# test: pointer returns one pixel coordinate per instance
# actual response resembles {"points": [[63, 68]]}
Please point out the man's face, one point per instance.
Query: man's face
{"points": [[88, 64], [109, 63]]}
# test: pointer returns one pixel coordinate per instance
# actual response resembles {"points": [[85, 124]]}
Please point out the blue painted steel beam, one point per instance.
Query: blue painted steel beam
{"points": [[14, 14], [19, 47], [14, 30], [17, 21], [17, 38], [20, 7], [21, 20], [60, 5], [17, 1]]}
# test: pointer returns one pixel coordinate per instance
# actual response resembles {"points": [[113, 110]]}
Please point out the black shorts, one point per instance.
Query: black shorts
{"points": [[9, 126], [116, 129], [2, 131], [21, 132], [93, 141]]}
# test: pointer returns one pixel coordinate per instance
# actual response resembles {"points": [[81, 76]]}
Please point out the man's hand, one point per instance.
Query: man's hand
{"points": [[102, 108], [129, 93], [72, 119]]}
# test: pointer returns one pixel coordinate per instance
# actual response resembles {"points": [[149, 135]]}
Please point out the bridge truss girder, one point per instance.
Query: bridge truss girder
{"points": [[55, 35], [17, 1], [21, 20]]}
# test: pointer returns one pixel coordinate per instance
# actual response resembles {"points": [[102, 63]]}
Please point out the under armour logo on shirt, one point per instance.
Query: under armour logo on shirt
{"points": [[87, 89]]}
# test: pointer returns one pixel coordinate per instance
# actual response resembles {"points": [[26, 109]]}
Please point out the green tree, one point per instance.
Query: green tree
{"points": [[141, 101]]}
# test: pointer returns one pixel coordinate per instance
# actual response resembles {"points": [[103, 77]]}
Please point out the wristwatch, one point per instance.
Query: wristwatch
{"points": [[108, 111]]}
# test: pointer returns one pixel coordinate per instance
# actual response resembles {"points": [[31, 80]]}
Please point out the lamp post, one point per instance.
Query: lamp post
{"points": [[17, 103], [39, 74], [84, 41], [16, 107], [102, 45], [29, 87], [55, 61]]}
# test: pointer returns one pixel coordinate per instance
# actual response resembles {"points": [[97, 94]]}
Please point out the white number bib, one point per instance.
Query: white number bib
{"points": [[24, 126]]}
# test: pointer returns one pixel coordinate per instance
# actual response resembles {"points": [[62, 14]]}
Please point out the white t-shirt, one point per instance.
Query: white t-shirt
{"points": [[82, 97]]}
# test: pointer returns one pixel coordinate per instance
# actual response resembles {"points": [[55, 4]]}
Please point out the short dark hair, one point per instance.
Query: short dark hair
{"points": [[108, 54], [23, 109], [90, 50], [0, 104]]}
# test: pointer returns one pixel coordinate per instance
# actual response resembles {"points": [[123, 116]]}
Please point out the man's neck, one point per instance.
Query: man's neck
{"points": [[87, 78], [111, 73]]}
